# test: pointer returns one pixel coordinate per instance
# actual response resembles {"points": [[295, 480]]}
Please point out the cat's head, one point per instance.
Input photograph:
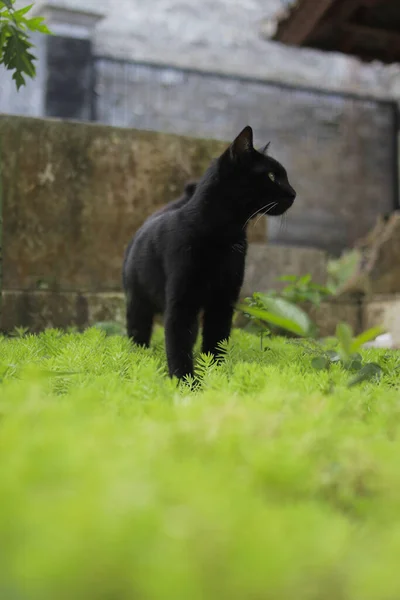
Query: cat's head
{"points": [[258, 181]]}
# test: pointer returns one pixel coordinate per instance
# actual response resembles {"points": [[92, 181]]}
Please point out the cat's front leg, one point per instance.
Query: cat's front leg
{"points": [[181, 326], [217, 324]]}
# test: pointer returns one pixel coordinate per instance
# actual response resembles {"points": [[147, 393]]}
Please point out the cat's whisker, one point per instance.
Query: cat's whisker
{"points": [[271, 208], [263, 214], [285, 222], [258, 211], [282, 224], [258, 218]]}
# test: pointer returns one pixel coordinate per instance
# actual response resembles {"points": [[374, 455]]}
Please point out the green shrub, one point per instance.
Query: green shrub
{"points": [[274, 480]]}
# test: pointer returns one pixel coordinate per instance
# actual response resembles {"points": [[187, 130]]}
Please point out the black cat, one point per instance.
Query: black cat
{"points": [[190, 256], [188, 192]]}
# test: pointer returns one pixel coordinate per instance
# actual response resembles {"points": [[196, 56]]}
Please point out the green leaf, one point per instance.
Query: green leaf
{"points": [[5, 33], [21, 12], [18, 78], [14, 41], [333, 356], [27, 59], [320, 363], [285, 309], [355, 365], [368, 372], [17, 56], [274, 319], [37, 24], [344, 334], [365, 337], [304, 279]]}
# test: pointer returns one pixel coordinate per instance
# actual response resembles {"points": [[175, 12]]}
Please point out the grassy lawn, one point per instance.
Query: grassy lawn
{"points": [[274, 481]]}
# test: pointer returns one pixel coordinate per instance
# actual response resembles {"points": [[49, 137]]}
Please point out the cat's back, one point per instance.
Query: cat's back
{"points": [[153, 246]]}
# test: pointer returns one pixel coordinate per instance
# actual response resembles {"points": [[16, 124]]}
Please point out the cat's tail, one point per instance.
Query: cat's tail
{"points": [[124, 265], [190, 188]]}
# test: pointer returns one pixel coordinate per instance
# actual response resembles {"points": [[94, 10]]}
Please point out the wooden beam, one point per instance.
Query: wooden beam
{"points": [[390, 38], [303, 21], [343, 10]]}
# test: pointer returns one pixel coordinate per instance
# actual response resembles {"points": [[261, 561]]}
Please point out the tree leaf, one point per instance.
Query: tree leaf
{"points": [[17, 56], [18, 14], [37, 24], [8, 3], [14, 41], [18, 78], [4, 34]]}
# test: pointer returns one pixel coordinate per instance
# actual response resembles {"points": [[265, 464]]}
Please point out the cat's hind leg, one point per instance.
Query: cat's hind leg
{"points": [[139, 317]]}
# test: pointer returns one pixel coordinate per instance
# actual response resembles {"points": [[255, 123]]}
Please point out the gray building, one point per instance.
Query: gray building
{"points": [[207, 69]]}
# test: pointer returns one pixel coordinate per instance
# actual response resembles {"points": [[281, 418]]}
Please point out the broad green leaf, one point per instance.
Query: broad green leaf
{"points": [[320, 363], [274, 319], [368, 372], [333, 356], [285, 309], [355, 365], [344, 334], [366, 336]]}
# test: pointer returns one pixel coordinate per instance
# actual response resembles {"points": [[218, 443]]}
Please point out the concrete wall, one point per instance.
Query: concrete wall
{"points": [[74, 194]]}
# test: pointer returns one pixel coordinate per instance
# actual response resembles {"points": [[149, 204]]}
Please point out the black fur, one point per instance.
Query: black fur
{"points": [[190, 255], [187, 194]]}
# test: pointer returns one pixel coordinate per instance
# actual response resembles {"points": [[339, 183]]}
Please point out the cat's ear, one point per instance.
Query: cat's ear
{"points": [[242, 144], [264, 150]]}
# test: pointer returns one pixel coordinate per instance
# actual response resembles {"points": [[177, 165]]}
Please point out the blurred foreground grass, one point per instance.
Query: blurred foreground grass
{"points": [[272, 482]]}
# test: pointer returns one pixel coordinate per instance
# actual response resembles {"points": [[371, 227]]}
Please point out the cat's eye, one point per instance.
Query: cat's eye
{"points": [[271, 176]]}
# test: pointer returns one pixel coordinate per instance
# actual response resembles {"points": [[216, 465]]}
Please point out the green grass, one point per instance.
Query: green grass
{"points": [[272, 482]]}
